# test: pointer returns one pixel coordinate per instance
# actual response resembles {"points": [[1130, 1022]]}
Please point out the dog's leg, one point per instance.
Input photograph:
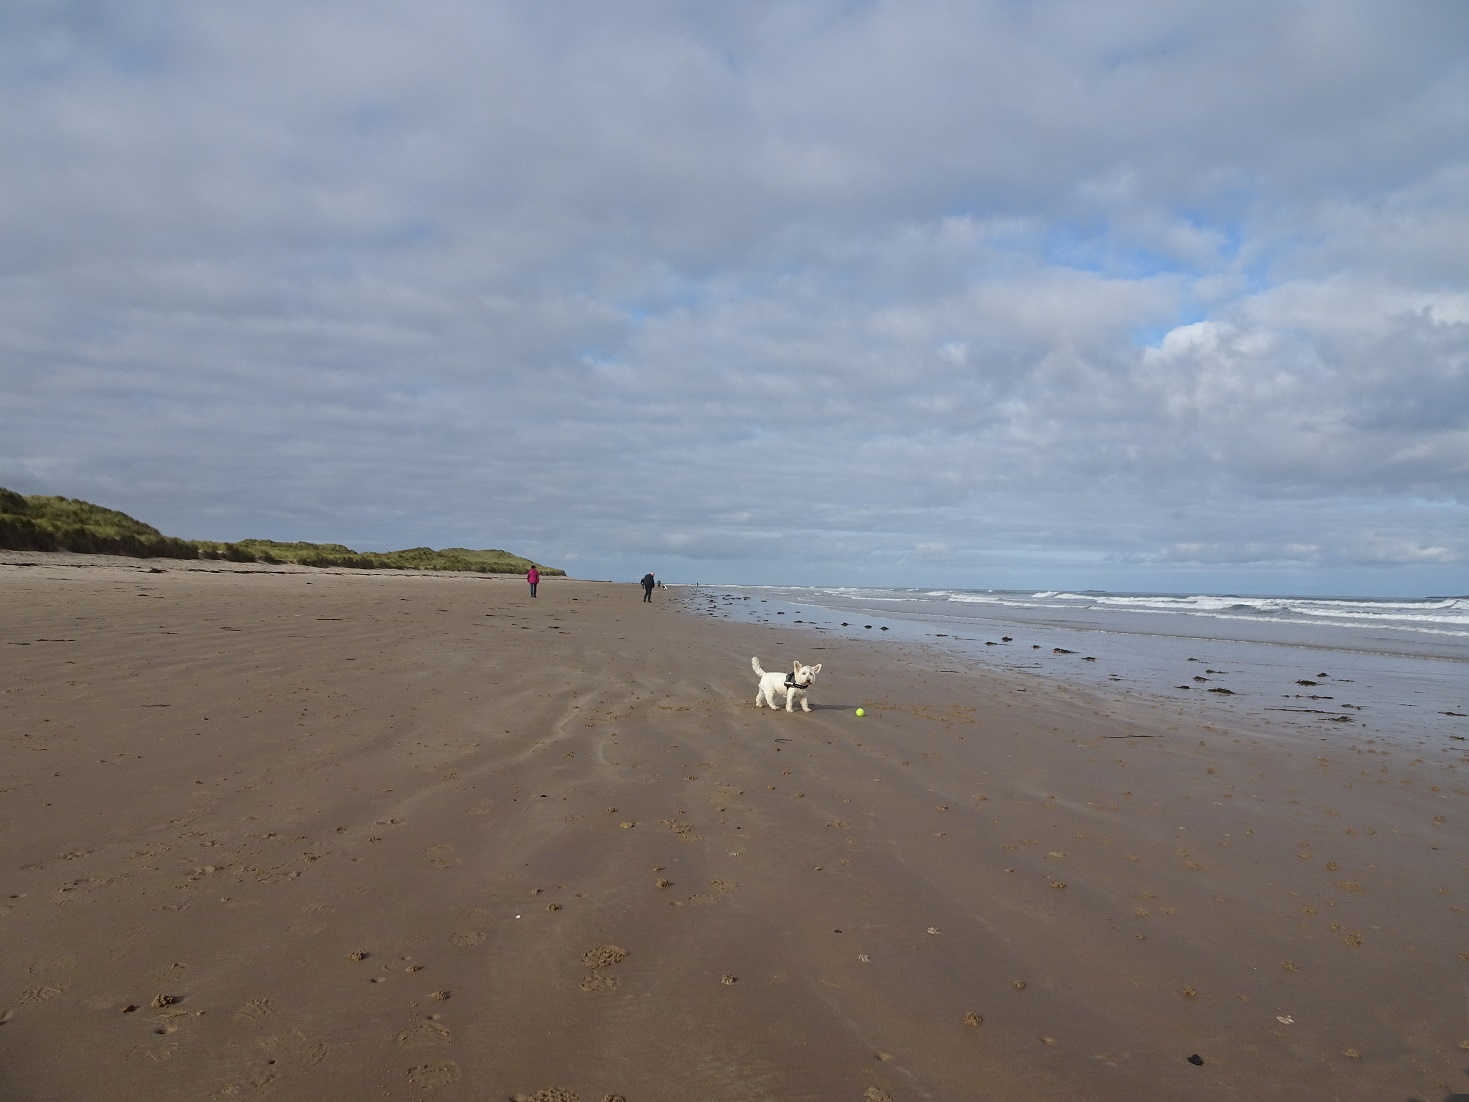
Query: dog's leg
{"points": [[759, 697], [805, 703], [790, 701]]}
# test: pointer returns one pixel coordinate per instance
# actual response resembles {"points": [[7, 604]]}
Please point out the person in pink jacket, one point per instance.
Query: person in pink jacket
{"points": [[533, 576]]}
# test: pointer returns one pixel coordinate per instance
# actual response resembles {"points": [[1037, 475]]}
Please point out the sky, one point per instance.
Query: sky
{"points": [[1128, 296]]}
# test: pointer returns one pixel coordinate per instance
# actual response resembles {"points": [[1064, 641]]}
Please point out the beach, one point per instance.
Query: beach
{"points": [[1396, 667], [294, 833]]}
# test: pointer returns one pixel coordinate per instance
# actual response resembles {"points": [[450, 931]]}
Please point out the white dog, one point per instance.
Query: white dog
{"points": [[793, 684]]}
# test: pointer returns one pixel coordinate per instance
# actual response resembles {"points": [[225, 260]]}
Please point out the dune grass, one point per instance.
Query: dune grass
{"points": [[41, 523]]}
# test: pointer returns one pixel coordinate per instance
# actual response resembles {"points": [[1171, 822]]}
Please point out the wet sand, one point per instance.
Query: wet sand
{"points": [[299, 834], [1411, 687]]}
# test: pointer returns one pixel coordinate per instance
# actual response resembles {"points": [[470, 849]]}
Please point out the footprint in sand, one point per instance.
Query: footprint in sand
{"points": [[430, 1076], [604, 956], [442, 856], [684, 831], [600, 958], [429, 1033], [717, 889], [158, 1054], [294, 1048], [253, 1011]]}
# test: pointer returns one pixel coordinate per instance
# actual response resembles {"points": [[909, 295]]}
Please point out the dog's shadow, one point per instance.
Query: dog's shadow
{"points": [[825, 708]]}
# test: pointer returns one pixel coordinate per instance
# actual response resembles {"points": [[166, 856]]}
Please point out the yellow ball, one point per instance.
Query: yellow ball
{"points": [[860, 712]]}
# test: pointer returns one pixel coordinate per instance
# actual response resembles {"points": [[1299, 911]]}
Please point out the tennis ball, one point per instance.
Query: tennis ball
{"points": [[860, 712]]}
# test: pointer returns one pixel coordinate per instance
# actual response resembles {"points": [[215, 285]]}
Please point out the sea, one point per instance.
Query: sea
{"points": [[1394, 668]]}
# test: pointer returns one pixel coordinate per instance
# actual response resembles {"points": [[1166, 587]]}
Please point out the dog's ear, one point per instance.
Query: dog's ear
{"points": [[816, 668], [796, 666]]}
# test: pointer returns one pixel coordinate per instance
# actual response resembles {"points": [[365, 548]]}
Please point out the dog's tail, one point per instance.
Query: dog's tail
{"points": [[755, 664]]}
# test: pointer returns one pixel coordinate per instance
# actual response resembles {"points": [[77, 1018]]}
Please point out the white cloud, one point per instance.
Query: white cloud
{"points": [[997, 286]]}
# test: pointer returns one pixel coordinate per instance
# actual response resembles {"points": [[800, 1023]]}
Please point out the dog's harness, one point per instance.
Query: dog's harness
{"points": [[791, 682]]}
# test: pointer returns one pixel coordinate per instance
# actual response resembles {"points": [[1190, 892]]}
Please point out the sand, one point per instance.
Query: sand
{"points": [[303, 834]]}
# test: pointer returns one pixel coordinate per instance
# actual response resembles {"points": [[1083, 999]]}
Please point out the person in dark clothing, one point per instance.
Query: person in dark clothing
{"points": [[648, 584]]}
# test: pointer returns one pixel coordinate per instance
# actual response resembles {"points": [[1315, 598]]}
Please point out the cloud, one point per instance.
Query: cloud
{"points": [[812, 292]]}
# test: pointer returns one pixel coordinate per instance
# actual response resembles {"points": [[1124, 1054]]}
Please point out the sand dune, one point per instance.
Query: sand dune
{"points": [[299, 834]]}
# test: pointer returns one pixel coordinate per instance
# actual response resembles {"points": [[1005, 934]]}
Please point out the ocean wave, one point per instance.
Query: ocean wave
{"points": [[1435, 615], [1404, 616], [1434, 611], [1010, 601]]}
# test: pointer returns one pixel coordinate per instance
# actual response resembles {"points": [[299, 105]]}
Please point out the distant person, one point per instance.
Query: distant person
{"points": [[533, 576], [648, 584]]}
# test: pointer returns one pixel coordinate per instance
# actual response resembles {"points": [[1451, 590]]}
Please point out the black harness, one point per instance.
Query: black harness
{"points": [[791, 682]]}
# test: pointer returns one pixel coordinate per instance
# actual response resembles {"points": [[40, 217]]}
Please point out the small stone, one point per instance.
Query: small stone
{"points": [[974, 1020], [1196, 1060], [160, 1001]]}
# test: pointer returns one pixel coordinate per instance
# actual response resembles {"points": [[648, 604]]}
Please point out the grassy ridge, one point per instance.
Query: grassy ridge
{"points": [[40, 523]]}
